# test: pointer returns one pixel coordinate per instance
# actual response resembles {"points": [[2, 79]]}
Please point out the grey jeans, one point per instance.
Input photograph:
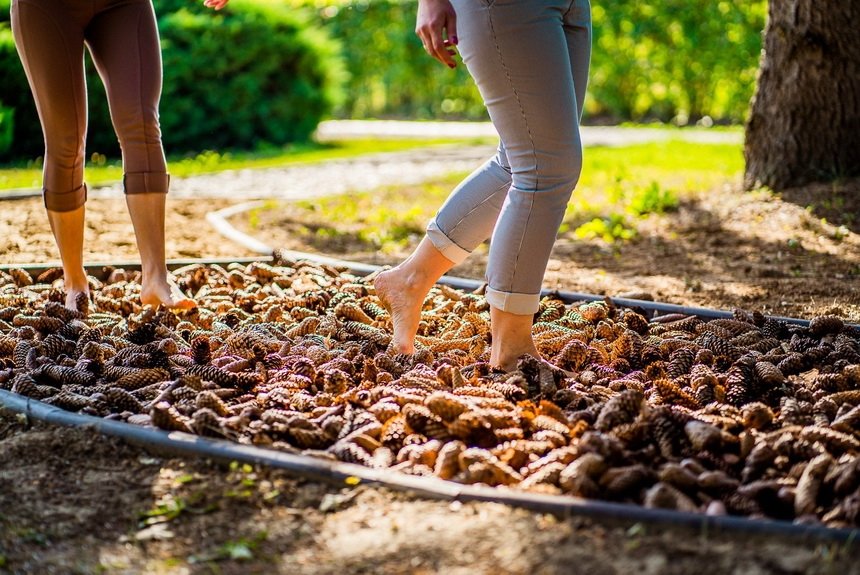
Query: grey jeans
{"points": [[530, 60]]}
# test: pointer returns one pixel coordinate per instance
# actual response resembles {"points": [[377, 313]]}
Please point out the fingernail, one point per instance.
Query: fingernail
{"points": [[454, 40]]}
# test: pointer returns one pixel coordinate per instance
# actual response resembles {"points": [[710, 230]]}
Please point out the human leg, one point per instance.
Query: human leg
{"points": [[534, 98], [464, 221], [123, 40], [147, 217], [531, 98], [49, 39]]}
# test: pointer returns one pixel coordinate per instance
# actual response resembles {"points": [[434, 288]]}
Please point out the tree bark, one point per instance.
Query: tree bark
{"points": [[804, 123]]}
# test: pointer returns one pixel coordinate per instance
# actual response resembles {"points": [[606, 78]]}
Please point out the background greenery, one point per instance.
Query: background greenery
{"points": [[673, 60], [264, 72]]}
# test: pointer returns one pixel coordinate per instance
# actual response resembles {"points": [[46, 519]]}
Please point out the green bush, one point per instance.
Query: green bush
{"points": [[7, 123], [256, 73], [390, 73], [253, 74], [679, 59]]}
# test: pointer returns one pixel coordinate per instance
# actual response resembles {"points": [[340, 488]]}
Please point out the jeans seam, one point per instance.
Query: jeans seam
{"points": [[569, 8]]}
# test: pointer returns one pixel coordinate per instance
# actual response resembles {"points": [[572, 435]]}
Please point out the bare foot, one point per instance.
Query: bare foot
{"points": [[403, 300], [78, 299], [506, 359], [165, 293]]}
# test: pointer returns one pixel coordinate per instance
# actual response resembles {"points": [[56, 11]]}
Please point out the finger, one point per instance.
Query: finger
{"points": [[426, 42], [440, 49], [451, 29]]}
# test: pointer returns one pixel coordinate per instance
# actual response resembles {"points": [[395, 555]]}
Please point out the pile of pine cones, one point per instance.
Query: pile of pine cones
{"points": [[747, 416]]}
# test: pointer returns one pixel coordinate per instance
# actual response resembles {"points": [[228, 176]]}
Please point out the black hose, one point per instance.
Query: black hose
{"points": [[310, 467]]}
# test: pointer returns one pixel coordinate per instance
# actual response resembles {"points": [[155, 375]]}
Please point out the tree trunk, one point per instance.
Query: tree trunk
{"points": [[804, 124]]}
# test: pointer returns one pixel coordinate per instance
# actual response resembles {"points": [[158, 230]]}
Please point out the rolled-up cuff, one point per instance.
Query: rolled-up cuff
{"points": [[65, 201], [146, 182], [444, 244], [515, 303]]}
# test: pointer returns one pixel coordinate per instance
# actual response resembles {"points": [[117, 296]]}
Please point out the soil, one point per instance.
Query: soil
{"points": [[73, 501]]}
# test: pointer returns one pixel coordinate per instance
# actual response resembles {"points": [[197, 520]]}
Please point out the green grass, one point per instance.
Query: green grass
{"points": [[619, 185], [100, 170]]}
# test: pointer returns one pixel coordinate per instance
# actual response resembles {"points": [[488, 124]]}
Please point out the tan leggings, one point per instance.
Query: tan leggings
{"points": [[122, 38]]}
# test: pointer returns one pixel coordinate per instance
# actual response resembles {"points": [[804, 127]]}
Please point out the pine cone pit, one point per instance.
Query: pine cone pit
{"points": [[749, 416]]}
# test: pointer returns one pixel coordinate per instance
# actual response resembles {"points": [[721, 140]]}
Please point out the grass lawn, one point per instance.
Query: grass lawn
{"points": [[618, 186], [100, 171]]}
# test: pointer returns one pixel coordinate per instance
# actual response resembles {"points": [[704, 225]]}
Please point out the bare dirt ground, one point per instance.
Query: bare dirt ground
{"points": [[72, 501]]}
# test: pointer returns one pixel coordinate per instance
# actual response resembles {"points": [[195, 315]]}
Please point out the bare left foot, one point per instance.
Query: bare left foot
{"points": [[403, 300], [165, 293]]}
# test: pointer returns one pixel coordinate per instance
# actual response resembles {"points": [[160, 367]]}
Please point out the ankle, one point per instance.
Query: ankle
{"points": [[415, 279], [76, 281], [153, 276]]}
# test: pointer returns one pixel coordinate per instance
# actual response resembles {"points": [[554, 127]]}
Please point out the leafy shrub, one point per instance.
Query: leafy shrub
{"points": [[652, 199], [257, 73], [7, 123], [254, 73], [677, 59], [390, 73], [611, 228]]}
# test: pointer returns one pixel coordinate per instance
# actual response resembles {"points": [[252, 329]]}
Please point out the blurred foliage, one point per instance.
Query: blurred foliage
{"points": [[390, 74], [255, 74], [7, 124], [678, 60], [266, 71]]}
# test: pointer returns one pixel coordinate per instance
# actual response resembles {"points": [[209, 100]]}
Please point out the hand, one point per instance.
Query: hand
{"points": [[437, 27], [216, 4]]}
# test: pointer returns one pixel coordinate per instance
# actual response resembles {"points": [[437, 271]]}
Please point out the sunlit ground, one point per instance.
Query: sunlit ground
{"points": [[618, 185]]}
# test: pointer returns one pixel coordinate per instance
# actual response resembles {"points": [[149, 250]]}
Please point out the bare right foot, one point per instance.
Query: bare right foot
{"points": [[164, 292], [403, 300], [505, 357], [77, 288]]}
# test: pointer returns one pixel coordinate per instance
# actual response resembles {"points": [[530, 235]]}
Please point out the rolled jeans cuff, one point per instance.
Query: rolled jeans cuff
{"points": [[65, 201], [515, 303], [444, 244], [146, 182]]}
